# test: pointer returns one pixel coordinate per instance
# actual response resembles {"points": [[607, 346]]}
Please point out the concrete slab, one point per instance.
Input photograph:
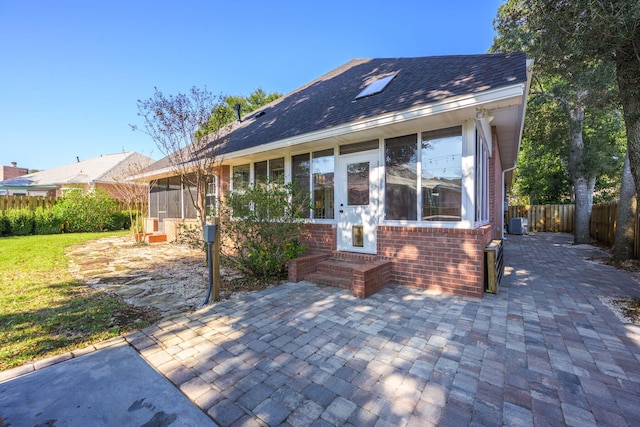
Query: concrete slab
{"points": [[110, 387]]}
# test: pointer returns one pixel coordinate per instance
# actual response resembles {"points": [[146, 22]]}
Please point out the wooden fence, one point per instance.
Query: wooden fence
{"points": [[603, 222], [560, 218], [554, 218], [33, 202]]}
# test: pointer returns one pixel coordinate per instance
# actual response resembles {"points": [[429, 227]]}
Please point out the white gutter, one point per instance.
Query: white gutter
{"points": [[524, 113]]}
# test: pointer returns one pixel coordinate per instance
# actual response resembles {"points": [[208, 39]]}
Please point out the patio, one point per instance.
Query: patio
{"points": [[544, 351]]}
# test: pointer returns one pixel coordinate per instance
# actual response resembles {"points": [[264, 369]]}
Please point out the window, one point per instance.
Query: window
{"points": [[437, 160], [166, 198], [211, 199], [300, 171], [482, 180], [276, 170], [375, 87], [269, 171], [323, 183], [401, 177], [313, 174], [260, 172], [441, 152], [241, 177], [358, 184]]}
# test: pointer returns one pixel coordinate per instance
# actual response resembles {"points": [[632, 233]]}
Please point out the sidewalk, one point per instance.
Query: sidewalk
{"points": [[545, 351]]}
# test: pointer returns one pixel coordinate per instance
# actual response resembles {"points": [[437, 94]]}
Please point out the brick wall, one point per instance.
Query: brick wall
{"points": [[440, 259], [9, 172], [319, 238]]}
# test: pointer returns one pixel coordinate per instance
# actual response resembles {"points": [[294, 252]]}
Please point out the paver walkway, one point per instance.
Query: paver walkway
{"points": [[545, 351]]}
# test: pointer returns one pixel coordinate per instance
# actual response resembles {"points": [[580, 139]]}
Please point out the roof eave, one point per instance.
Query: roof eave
{"points": [[475, 100]]}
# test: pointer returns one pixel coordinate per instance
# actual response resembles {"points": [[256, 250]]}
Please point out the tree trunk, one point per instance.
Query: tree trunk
{"points": [[624, 239], [628, 75], [583, 184]]}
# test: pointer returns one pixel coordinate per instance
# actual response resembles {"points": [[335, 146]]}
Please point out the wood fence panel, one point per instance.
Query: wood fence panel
{"points": [[46, 202], [554, 218]]}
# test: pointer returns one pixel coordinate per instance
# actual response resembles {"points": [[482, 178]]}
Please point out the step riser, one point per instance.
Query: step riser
{"points": [[336, 282]]}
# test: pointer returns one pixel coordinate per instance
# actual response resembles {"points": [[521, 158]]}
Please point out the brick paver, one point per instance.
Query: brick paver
{"points": [[544, 351]]}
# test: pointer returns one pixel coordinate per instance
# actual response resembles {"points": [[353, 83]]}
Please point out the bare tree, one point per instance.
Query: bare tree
{"points": [[135, 195], [174, 123]]}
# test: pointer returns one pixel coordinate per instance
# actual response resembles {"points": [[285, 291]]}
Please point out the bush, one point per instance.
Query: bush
{"points": [[86, 212], [129, 216], [46, 222], [118, 220], [4, 224], [20, 221], [266, 235]]}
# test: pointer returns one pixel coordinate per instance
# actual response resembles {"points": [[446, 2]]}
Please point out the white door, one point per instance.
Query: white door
{"points": [[358, 204]]}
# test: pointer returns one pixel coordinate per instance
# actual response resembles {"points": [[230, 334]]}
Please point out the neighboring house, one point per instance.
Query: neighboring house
{"points": [[8, 172], [405, 159], [103, 172]]}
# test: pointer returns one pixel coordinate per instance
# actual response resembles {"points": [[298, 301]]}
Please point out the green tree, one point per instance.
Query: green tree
{"points": [[584, 92], [225, 113]]}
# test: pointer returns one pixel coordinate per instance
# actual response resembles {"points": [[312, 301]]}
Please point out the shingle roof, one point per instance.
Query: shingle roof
{"points": [[98, 169], [329, 101]]}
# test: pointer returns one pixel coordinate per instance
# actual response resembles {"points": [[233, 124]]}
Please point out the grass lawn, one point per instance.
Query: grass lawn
{"points": [[44, 311]]}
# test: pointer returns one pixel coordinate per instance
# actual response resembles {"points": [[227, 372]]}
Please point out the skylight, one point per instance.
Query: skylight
{"points": [[375, 87]]}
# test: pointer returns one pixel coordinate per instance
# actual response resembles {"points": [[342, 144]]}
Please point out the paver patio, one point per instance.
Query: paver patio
{"points": [[545, 351]]}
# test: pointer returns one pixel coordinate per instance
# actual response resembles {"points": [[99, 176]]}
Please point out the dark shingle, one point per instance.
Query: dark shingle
{"points": [[329, 100]]}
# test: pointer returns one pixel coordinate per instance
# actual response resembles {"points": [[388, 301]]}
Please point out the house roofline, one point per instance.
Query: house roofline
{"points": [[447, 105], [516, 91]]}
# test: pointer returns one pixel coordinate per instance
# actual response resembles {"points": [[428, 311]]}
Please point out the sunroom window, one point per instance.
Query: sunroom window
{"points": [[441, 152], [437, 160], [401, 177], [482, 180], [313, 174]]}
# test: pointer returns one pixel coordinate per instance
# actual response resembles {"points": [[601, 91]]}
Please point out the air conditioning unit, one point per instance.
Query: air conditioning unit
{"points": [[518, 226]]}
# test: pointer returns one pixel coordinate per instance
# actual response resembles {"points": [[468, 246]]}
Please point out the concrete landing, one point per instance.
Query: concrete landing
{"points": [[111, 387]]}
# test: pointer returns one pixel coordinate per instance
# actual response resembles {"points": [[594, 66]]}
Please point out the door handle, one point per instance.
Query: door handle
{"points": [[341, 211]]}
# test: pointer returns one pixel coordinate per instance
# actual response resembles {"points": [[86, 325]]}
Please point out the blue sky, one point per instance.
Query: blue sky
{"points": [[72, 71]]}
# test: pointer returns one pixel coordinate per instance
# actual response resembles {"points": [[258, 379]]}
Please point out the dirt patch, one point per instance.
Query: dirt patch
{"points": [[626, 308], [162, 276]]}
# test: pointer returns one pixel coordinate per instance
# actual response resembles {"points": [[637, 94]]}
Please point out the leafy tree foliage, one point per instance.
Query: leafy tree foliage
{"points": [[225, 113], [582, 92]]}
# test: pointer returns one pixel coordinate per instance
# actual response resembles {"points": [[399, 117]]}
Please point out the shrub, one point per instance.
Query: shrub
{"points": [[4, 224], [190, 235], [46, 222], [118, 220], [85, 212], [20, 221], [266, 235]]}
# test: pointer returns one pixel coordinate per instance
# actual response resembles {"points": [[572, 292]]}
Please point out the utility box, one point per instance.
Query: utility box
{"points": [[518, 226], [209, 233]]}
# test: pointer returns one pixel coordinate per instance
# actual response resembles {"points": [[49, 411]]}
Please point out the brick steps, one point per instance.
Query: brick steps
{"points": [[155, 238], [363, 274]]}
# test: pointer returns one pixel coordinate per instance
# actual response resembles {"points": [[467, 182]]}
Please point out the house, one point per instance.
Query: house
{"points": [[405, 159], [98, 172], [12, 171]]}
